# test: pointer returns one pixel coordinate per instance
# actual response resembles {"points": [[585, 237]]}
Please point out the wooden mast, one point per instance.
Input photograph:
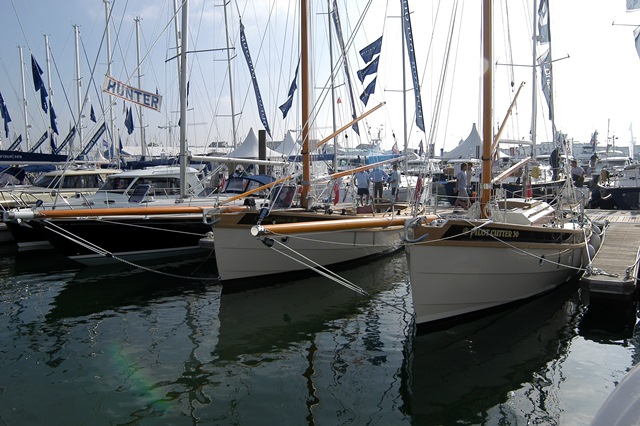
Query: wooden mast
{"points": [[304, 89], [487, 80]]}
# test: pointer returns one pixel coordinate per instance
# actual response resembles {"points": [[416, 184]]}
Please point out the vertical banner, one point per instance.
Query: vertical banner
{"points": [[545, 72], [252, 71], [408, 36]]}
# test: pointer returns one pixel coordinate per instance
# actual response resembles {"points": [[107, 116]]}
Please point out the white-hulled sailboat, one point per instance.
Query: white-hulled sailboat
{"points": [[253, 244], [501, 252]]}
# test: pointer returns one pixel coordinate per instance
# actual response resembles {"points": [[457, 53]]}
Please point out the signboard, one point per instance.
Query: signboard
{"points": [[137, 96]]}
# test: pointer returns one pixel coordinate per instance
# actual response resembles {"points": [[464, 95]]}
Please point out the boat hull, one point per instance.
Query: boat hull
{"points": [[453, 279], [130, 238], [241, 256]]}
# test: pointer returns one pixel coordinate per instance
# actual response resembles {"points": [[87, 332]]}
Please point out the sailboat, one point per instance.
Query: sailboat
{"points": [[502, 251], [255, 244]]}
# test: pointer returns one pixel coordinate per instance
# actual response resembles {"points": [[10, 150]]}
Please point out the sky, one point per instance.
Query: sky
{"points": [[595, 71]]}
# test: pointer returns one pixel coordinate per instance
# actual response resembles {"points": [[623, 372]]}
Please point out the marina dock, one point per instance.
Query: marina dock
{"points": [[614, 270]]}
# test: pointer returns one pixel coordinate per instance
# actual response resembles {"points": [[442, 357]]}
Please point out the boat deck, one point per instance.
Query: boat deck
{"points": [[615, 267]]}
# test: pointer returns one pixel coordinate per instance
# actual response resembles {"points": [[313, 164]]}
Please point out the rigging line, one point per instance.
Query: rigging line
{"points": [[327, 273], [153, 228], [443, 75]]}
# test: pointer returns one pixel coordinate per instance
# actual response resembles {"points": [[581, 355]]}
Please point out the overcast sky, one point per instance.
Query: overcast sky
{"points": [[596, 68]]}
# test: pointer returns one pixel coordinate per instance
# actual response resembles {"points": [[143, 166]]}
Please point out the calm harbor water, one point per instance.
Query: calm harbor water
{"points": [[121, 346]]}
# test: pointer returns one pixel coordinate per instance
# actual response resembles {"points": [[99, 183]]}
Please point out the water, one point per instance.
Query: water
{"points": [[116, 346]]}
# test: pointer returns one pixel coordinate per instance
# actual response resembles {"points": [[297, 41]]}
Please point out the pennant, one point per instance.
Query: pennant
{"points": [[252, 71], [633, 4], [372, 68], [408, 36], [37, 73], [52, 120], [92, 115], [369, 90], [544, 34], [128, 121], [339, 101], [373, 49], [287, 105]]}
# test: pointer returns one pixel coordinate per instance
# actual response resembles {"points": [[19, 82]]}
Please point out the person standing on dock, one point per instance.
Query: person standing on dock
{"points": [[461, 187], [394, 181], [378, 177], [577, 173], [362, 183]]}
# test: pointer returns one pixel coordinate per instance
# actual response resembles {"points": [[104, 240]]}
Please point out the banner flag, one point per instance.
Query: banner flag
{"points": [[408, 35], [287, 105], [137, 96], [372, 68], [373, 49], [369, 90], [67, 140], [93, 140], [545, 72], [252, 71], [40, 141]]}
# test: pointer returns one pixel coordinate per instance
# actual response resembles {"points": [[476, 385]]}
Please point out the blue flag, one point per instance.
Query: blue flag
{"points": [[4, 113], [252, 71], [120, 144], [287, 105], [52, 142], [92, 115], [543, 22], [43, 98], [128, 121], [369, 90], [52, 119], [408, 36], [371, 50], [372, 68], [37, 73]]}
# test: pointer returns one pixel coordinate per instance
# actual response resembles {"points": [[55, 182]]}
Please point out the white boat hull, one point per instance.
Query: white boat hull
{"points": [[455, 281], [239, 255]]}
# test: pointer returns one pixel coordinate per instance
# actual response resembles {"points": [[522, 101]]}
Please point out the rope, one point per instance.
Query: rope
{"points": [[325, 272]]}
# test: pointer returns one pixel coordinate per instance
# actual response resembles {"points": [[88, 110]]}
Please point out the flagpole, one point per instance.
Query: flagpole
{"points": [[24, 100], [143, 145], [76, 29]]}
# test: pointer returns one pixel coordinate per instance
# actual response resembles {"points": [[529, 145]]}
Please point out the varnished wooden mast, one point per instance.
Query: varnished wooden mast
{"points": [[304, 89], [487, 80]]}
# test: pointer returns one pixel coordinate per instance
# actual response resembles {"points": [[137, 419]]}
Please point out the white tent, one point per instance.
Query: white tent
{"points": [[249, 149], [289, 146], [471, 147]]}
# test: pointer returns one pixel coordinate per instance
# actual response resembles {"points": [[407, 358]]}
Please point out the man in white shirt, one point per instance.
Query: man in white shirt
{"points": [[362, 183]]}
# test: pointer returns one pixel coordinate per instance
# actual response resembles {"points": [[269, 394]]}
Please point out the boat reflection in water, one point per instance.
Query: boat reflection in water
{"points": [[476, 373]]}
